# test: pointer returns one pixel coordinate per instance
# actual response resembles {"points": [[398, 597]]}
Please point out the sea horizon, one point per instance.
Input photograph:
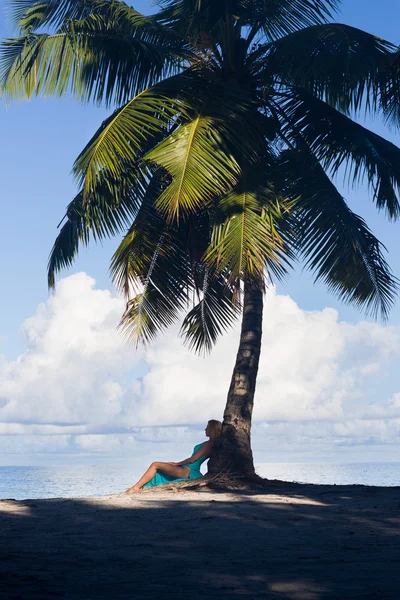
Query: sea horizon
{"points": [[85, 480]]}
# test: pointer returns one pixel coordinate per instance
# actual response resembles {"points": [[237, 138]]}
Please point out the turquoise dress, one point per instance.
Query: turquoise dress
{"points": [[195, 472]]}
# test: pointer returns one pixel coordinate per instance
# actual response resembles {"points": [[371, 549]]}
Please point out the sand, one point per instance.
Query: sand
{"points": [[297, 542]]}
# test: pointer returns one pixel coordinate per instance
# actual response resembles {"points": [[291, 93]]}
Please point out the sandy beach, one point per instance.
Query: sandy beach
{"points": [[297, 542]]}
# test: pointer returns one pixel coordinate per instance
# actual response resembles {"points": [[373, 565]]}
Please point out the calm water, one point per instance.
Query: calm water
{"points": [[98, 480]]}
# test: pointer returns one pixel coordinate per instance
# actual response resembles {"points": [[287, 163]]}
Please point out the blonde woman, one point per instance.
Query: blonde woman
{"points": [[165, 472]]}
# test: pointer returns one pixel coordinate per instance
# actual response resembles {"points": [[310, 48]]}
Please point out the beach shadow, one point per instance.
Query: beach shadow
{"points": [[297, 542]]}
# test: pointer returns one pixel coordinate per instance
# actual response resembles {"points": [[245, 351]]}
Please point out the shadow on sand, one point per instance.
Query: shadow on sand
{"points": [[296, 542]]}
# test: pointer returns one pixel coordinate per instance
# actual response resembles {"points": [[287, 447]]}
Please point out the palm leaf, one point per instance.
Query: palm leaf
{"points": [[132, 260], [153, 261], [390, 88], [337, 63], [246, 239], [336, 243], [199, 167], [107, 212], [216, 312], [161, 262], [202, 155], [97, 58], [273, 17], [131, 128], [336, 140], [164, 274], [66, 246], [29, 15], [281, 17], [147, 314]]}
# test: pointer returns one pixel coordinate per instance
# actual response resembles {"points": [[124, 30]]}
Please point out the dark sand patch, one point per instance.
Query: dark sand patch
{"points": [[297, 542]]}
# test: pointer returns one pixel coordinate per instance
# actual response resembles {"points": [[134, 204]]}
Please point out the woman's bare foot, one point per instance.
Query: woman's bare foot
{"points": [[131, 490]]}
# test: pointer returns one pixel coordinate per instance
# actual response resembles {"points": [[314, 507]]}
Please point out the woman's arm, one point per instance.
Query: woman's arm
{"points": [[205, 450]]}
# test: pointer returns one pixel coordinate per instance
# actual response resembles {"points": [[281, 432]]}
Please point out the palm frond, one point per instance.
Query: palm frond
{"points": [[162, 263], [98, 58], [281, 17], [192, 18], [337, 63], [390, 89], [202, 155], [274, 17], [104, 214], [198, 165], [66, 246], [215, 313], [336, 243], [159, 265], [132, 260], [29, 15], [152, 260], [246, 239], [336, 140], [130, 129], [147, 314]]}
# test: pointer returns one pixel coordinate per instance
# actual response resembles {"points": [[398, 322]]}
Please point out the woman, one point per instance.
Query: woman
{"points": [[165, 472]]}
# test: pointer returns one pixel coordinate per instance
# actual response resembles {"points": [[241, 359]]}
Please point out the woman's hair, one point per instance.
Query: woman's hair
{"points": [[215, 428]]}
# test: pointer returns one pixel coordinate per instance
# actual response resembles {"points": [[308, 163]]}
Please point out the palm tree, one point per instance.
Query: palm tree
{"points": [[232, 118]]}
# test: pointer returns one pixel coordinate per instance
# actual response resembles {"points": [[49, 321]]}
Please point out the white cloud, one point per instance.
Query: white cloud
{"points": [[104, 443], [69, 373], [310, 366], [77, 387], [386, 410], [364, 430]]}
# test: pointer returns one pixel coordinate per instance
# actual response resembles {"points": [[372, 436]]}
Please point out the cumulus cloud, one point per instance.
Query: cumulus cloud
{"points": [[389, 409], [311, 366], [78, 388], [69, 372]]}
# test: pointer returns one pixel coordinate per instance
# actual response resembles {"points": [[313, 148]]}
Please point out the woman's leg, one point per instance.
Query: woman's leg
{"points": [[166, 468]]}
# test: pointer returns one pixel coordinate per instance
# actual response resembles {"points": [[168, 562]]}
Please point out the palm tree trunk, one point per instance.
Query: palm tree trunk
{"points": [[233, 452]]}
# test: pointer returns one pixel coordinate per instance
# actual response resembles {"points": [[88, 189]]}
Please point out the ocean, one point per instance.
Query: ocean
{"points": [[98, 480]]}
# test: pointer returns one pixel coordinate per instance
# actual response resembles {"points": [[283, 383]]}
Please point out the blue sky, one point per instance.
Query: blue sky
{"points": [[39, 142]]}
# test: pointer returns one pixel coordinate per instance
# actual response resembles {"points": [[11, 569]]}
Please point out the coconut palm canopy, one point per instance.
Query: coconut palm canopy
{"points": [[232, 117]]}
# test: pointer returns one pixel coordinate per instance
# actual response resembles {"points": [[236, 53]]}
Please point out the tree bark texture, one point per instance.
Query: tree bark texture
{"points": [[233, 452]]}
